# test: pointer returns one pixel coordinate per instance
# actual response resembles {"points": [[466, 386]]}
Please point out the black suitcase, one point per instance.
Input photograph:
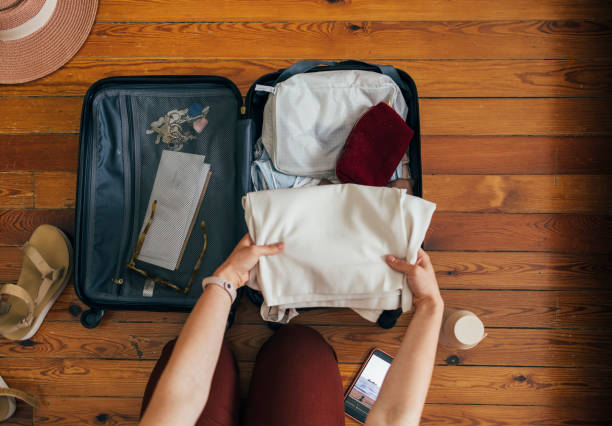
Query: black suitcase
{"points": [[117, 165]]}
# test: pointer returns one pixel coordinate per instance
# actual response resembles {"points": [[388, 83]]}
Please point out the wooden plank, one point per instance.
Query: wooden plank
{"points": [[17, 225], [519, 194], [110, 340], [438, 116], [266, 10], [125, 411], [137, 341], [23, 152], [469, 78], [16, 190], [582, 387], [55, 190], [516, 155], [10, 263], [469, 415], [88, 410], [504, 39], [440, 154], [520, 232], [526, 271], [515, 116]]}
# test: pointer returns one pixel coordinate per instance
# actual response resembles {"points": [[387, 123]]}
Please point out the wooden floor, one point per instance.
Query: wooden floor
{"points": [[516, 122]]}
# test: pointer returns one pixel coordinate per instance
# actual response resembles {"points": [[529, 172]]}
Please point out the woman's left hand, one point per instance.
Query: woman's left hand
{"points": [[243, 258]]}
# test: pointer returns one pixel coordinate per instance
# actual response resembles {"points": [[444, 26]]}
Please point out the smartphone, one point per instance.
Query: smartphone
{"points": [[362, 393]]}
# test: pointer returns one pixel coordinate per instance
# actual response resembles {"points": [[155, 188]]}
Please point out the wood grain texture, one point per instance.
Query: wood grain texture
{"points": [[536, 117], [88, 411], [434, 78], [502, 415], [560, 116], [10, 263], [55, 190], [558, 387], [520, 232], [527, 271], [16, 190], [112, 340], [546, 155], [519, 194], [516, 155], [17, 225], [24, 152], [190, 10], [500, 39]]}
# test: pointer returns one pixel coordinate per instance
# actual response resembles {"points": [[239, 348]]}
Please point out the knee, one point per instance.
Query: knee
{"points": [[300, 339]]}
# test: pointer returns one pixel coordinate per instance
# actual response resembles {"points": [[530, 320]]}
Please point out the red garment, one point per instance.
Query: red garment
{"points": [[374, 147], [296, 381], [223, 403]]}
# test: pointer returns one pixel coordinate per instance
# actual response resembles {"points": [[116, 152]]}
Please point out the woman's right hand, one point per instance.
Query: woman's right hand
{"points": [[421, 277]]}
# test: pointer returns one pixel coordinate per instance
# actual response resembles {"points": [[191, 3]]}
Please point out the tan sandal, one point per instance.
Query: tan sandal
{"points": [[7, 400], [46, 269]]}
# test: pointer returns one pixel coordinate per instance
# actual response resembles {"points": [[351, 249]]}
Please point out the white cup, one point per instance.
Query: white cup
{"points": [[461, 330]]}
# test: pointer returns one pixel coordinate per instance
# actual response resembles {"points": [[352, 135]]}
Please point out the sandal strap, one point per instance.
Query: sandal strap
{"points": [[24, 396], [21, 293], [36, 258], [49, 275]]}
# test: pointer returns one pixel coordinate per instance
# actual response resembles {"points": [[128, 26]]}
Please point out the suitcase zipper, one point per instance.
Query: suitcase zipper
{"points": [[127, 199]]}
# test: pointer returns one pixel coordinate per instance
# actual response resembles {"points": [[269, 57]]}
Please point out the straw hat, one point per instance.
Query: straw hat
{"points": [[39, 36]]}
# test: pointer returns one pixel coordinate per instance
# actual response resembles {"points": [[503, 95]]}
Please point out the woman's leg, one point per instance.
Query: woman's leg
{"points": [[296, 381], [223, 405]]}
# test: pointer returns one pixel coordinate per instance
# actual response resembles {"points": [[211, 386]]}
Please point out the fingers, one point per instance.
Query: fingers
{"points": [[268, 250], [399, 265], [245, 241], [423, 259]]}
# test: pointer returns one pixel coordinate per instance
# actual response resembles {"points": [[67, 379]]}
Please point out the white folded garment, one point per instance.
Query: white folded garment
{"points": [[336, 238]]}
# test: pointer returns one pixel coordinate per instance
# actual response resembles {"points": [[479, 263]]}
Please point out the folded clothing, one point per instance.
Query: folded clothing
{"points": [[374, 148], [336, 237], [265, 176]]}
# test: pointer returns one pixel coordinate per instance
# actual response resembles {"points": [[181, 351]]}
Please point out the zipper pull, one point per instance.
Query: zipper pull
{"points": [[118, 281]]}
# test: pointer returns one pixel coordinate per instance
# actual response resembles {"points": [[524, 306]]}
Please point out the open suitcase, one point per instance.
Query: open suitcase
{"points": [[118, 161]]}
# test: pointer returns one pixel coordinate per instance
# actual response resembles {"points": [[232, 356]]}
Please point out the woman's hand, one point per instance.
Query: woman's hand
{"points": [[243, 258], [421, 277]]}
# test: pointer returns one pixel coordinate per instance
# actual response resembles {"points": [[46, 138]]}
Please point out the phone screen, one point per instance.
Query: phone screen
{"points": [[363, 392]]}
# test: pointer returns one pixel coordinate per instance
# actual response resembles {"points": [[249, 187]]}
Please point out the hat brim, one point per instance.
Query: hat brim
{"points": [[50, 47]]}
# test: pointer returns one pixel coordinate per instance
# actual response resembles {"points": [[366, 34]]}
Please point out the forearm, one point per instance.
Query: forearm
{"points": [[402, 396], [183, 388]]}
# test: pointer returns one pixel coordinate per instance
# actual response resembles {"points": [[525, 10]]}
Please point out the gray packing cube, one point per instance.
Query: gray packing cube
{"points": [[119, 152]]}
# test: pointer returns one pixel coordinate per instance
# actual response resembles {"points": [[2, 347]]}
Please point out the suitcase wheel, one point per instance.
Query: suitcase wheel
{"points": [[92, 318]]}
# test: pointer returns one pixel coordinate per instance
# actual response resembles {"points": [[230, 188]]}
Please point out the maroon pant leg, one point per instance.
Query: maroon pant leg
{"points": [[223, 405], [296, 382]]}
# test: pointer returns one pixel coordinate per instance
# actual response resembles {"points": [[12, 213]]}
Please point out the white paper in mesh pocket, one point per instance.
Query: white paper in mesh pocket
{"points": [[179, 188]]}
